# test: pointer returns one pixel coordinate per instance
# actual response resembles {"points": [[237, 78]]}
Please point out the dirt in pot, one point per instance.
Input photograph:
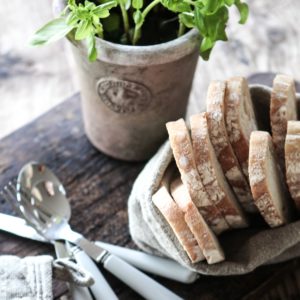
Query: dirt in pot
{"points": [[161, 25]]}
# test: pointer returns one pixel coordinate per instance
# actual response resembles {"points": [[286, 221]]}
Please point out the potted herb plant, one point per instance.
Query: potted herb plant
{"points": [[136, 61]]}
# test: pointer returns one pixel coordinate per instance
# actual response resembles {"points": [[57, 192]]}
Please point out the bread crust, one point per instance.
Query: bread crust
{"points": [[181, 145], [261, 152], [283, 109], [206, 238], [240, 118], [175, 218], [224, 151], [212, 175], [292, 160]]}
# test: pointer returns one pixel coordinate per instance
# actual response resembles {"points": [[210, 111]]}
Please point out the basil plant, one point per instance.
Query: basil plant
{"points": [[140, 22]]}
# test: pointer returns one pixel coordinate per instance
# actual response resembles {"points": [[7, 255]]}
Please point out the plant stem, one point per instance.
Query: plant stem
{"points": [[181, 30], [137, 30], [125, 21]]}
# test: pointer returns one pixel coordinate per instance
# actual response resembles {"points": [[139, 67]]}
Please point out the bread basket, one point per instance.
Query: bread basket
{"points": [[245, 249]]}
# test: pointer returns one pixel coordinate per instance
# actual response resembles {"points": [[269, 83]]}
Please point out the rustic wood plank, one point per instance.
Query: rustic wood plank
{"points": [[98, 188]]}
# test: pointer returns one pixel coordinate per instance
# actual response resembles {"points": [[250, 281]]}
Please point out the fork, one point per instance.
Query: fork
{"points": [[156, 265], [53, 225], [100, 289]]}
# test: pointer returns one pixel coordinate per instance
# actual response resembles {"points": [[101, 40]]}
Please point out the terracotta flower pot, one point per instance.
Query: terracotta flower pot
{"points": [[130, 92]]}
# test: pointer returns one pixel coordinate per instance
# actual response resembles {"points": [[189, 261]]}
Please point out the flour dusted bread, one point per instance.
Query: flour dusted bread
{"points": [[175, 218], [181, 145], [221, 144], [292, 160], [240, 118], [206, 238], [212, 175], [283, 109], [267, 185]]}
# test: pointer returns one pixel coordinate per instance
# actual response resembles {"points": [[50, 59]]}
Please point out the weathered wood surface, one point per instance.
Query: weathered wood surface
{"points": [[98, 189], [33, 80]]}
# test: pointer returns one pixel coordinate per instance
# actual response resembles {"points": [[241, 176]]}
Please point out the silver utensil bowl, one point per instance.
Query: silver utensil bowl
{"points": [[44, 190]]}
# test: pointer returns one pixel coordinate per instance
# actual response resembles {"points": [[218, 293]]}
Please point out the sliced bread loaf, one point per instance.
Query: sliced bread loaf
{"points": [[212, 175], [292, 160], [240, 118], [267, 185], [283, 109], [183, 153], [221, 144], [207, 240], [175, 218]]}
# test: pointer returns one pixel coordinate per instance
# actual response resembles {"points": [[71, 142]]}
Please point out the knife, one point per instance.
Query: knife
{"points": [[149, 263]]}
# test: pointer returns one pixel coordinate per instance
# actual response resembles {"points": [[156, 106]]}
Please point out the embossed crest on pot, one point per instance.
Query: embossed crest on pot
{"points": [[122, 96]]}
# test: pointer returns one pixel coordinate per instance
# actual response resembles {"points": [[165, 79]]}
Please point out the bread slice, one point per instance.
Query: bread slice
{"points": [[183, 153], [221, 144], [175, 218], [240, 119], [212, 175], [283, 109], [266, 180], [207, 240], [292, 160]]}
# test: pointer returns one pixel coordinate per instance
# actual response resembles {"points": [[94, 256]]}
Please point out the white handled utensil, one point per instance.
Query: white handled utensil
{"points": [[100, 289], [46, 209], [149, 263], [77, 292]]}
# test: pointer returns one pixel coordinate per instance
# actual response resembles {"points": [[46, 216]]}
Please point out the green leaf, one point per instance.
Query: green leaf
{"points": [[107, 5], [187, 19], [243, 10], [52, 31], [89, 5], [211, 6], [137, 4], [91, 45], [103, 13], [84, 30], [205, 48], [229, 2], [72, 19], [138, 18], [72, 3], [199, 22], [176, 5], [216, 24]]}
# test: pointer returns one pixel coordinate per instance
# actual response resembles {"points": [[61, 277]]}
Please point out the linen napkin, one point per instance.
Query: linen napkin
{"points": [[245, 249], [28, 278]]}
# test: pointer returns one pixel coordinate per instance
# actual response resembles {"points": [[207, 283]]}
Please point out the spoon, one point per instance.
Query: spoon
{"points": [[48, 211], [38, 186]]}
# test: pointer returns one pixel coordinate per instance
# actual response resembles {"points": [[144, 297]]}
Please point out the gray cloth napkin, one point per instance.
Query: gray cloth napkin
{"points": [[27, 278], [245, 249]]}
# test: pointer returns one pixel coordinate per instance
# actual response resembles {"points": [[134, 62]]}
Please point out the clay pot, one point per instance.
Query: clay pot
{"points": [[130, 92]]}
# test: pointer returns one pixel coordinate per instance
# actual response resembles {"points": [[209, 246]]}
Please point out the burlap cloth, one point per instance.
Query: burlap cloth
{"points": [[245, 249]]}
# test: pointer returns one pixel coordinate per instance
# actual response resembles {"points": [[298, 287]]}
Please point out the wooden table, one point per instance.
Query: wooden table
{"points": [[98, 188]]}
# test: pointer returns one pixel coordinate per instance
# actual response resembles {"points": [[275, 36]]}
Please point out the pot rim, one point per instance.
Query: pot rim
{"points": [[144, 55]]}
